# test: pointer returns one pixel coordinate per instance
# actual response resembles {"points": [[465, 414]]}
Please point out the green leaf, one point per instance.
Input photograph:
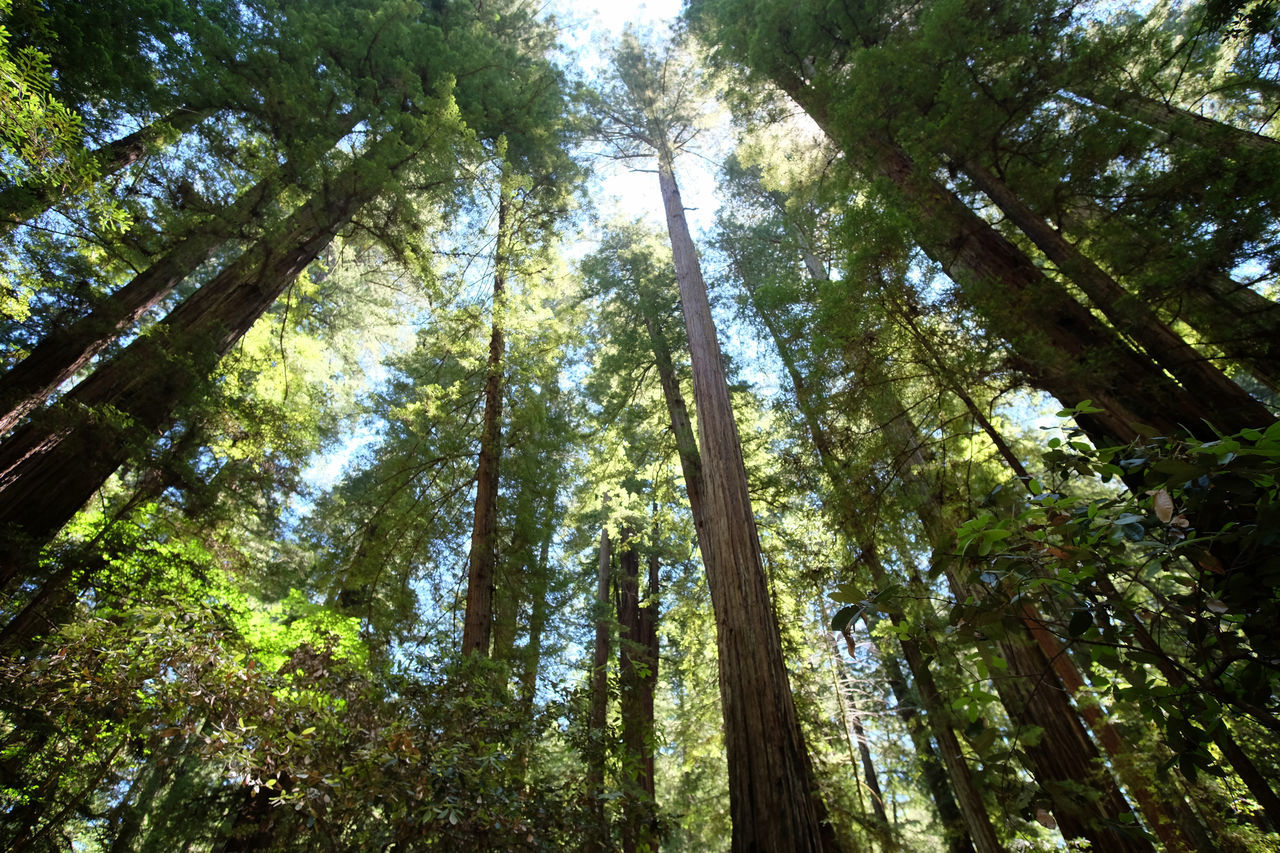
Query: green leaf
{"points": [[844, 616]]}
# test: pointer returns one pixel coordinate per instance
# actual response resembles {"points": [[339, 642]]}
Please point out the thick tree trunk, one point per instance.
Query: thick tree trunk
{"points": [[484, 530], [48, 470], [20, 204], [68, 348], [637, 667], [1232, 407], [1064, 349], [773, 801]]}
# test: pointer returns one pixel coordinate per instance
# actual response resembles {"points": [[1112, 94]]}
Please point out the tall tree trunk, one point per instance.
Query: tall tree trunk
{"points": [[484, 530], [980, 834], [20, 204], [1063, 348], [48, 470], [637, 668], [1233, 409], [931, 766], [67, 349], [864, 746], [598, 708], [773, 801], [1179, 123], [1230, 316]]}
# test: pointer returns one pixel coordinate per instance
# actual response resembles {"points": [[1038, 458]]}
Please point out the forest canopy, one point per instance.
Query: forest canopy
{"points": [[373, 478]]}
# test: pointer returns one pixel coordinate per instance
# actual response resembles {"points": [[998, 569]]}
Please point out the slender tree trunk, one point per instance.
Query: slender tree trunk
{"points": [[67, 349], [637, 667], [484, 532], [864, 751], [1179, 123], [48, 470], [969, 797], [931, 766], [1241, 323], [980, 834], [1232, 407], [773, 801], [20, 204], [597, 713]]}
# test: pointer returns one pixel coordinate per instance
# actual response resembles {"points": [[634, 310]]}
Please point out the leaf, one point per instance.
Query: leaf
{"points": [[844, 616], [1163, 505], [1215, 605], [1045, 819], [1081, 621]]}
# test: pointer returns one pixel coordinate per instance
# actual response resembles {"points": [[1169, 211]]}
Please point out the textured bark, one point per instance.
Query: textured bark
{"points": [[773, 801], [1231, 406], [637, 668], [20, 204], [68, 348], [482, 561], [1063, 348], [1166, 825], [50, 468]]}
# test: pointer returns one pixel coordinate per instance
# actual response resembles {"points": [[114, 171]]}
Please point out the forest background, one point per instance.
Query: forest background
{"points": [[373, 475]]}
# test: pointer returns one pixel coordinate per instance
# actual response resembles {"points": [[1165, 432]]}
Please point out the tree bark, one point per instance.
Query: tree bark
{"points": [[773, 801], [637, 667], [48, 470], [484, 531], [1063, 348], [19, 204], [67, 349], [1232, 407]]}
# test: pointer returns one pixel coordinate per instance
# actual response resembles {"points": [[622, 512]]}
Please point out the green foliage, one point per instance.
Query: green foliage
{"points": [[1166, 584]]}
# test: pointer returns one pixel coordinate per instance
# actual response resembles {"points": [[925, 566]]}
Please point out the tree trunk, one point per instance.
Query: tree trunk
{"points": [[1063, 348], [637, 667], [1166, 826], [66, 349], [1179, 123], [864, 755], [484, 531], [1232, 407], [932, 768], [980, 834], [20, 204], [1230, 316], [773, 801], [48, 470]]}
